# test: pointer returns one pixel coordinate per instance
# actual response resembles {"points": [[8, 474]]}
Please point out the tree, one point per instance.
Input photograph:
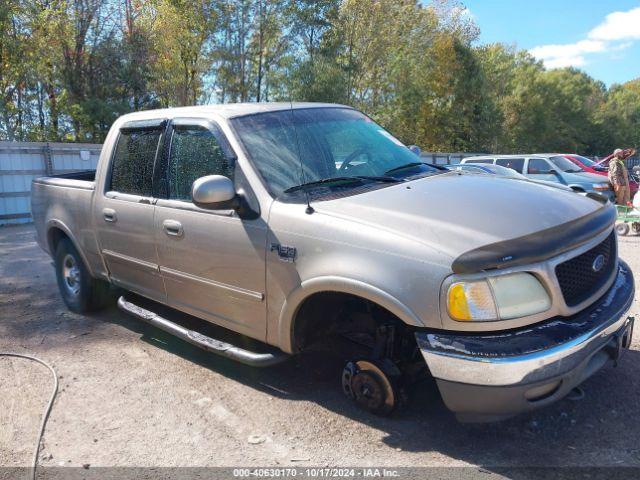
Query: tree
{"points": [[618, 118], [68, 68], [178, 32], [13, 71]]}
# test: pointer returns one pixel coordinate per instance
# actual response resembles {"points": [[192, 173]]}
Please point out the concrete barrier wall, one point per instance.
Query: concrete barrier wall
{"points": [[21, 162]]}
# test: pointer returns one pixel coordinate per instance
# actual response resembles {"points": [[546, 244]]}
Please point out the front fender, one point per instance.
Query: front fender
{"points": [[296, 298]]}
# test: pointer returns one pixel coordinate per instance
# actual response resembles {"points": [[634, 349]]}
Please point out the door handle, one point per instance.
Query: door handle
{"points": [[109, 215], [173, 228]]}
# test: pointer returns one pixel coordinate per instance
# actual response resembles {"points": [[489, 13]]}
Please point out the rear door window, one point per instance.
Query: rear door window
{"points": [[516, 164], [133, 160]]}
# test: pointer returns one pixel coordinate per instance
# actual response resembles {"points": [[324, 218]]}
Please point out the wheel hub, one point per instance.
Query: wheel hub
{"points": [[368, 390], [369, 387], [71, 274]]}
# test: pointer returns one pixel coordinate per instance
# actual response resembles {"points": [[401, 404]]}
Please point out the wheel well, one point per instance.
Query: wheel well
{"points": [[54, 236], [329, 314]]}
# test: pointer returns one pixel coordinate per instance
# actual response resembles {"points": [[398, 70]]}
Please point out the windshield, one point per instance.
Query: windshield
{"points": [[305, 146], [565, 165]]}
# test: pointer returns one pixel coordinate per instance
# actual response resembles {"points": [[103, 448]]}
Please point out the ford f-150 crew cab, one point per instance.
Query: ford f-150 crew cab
{"points": [[301, 225]]}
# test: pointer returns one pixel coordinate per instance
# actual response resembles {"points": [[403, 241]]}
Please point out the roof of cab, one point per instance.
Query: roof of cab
{"points": [[227, 110]]}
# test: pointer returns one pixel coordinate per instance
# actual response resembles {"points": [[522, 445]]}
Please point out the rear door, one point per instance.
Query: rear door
{"points": [[212, 261], [125, 210]]}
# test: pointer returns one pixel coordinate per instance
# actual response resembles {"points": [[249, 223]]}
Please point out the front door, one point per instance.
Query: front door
{"points": [[542, 169], [212, 262], [125, 210]]}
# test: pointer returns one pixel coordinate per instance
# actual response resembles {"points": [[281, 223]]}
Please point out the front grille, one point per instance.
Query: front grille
{"points": [[577, 278]]}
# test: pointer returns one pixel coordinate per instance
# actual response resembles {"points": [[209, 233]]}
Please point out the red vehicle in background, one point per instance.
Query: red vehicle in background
{"points": [[600, 168]]}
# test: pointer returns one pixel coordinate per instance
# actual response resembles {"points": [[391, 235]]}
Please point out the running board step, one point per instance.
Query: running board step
{"points": [[209, 344]]}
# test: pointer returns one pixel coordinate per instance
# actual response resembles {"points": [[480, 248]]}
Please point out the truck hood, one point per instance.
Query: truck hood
{"points": [[547, 183], [455, 213]]}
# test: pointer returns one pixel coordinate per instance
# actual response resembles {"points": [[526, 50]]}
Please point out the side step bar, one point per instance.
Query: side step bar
{"points": [[207, 343]]}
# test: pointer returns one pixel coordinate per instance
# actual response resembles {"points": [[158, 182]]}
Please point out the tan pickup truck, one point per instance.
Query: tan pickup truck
{"points": [[307, 225]]}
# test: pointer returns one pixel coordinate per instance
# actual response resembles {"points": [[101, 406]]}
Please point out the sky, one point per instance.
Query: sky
{"points": [[601, 37]]}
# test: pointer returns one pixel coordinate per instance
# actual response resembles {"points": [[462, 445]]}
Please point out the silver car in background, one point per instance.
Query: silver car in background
{"points": [[549, 167]]}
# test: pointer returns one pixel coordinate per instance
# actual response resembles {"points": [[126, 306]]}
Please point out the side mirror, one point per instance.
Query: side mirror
{"points": [[553, 172], [214, 192], [415, 149]]}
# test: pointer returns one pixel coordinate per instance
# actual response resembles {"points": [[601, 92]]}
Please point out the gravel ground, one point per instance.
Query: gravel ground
{"points": [[133, 396]]}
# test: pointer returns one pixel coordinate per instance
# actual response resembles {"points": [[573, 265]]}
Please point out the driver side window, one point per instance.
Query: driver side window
{"points": [[538, 166], [195, 152]]}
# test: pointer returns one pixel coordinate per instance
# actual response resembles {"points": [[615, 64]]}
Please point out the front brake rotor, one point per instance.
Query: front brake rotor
{"points": [[369, 386]]}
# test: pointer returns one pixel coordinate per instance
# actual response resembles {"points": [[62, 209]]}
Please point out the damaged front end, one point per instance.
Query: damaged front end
{"points": [[488, 376]]}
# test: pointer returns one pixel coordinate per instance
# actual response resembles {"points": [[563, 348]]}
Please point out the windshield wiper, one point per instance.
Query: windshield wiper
{"points": [[402, 167], [355, 180], [417, 164], [379, 178]]}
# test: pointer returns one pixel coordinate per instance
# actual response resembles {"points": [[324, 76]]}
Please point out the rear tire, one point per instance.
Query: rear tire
{"points": [[80, 291]]}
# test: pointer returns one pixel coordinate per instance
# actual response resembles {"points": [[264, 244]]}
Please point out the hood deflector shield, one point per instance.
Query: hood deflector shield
{"points": [[537, 246]]}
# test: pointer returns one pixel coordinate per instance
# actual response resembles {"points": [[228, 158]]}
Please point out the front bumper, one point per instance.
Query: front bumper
{"points": [[485, 377]]}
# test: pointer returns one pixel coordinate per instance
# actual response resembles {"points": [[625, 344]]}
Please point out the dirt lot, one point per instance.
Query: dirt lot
{"points": [[133, 396]]}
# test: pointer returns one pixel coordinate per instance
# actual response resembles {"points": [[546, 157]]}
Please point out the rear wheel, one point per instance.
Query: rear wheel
{"points": [[622, 228], [79, 290]]}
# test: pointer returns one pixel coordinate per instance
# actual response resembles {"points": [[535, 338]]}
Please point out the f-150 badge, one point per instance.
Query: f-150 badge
{"points": [[286, 254]]}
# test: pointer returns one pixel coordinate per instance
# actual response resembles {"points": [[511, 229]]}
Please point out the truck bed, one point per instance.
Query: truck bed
{"points": [[65, 202], [84, 179]]}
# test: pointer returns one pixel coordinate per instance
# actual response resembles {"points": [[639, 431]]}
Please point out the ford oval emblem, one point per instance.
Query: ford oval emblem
{"points": [[598, 263]]}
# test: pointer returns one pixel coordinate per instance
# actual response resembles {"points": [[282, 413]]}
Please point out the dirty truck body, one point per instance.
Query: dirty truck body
{"points": [[511, 293]]}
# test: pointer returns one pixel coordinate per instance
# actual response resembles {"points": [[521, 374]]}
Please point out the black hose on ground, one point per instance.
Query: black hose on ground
{"points": [[47, 411]]}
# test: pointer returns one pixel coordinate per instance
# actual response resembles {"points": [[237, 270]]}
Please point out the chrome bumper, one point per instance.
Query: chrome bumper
{"points": [[562, 350]]}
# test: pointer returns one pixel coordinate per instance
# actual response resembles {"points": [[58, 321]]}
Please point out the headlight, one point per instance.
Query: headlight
{"points": [[497, 298], [601, 186]]}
